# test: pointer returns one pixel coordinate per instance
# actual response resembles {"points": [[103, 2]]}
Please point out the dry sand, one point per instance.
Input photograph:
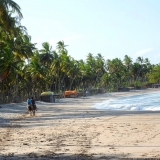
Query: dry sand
{"points": [[71, 129]]}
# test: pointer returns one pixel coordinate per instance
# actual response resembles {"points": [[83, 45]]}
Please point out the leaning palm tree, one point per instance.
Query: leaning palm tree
{"points": [[7, 21], [9, 6]]}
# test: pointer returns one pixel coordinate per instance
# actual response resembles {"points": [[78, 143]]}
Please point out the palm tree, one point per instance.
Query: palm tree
{"points": [[116, 71], [7, 60], [22, 47], [61, 47], [154, 75], [37, 73], [142, 68], [99, 68], [82, 74], [72, 71], [139, 60], [46, 56], [7, 7], [128, 63], [91, 70]]}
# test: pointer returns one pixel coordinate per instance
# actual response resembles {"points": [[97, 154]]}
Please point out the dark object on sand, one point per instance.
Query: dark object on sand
{"points": [[0, 106], [47, 96]]}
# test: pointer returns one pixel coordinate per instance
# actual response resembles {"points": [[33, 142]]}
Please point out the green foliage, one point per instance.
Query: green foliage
{"points": [[154, 75], [47, 93], [26, 71]]}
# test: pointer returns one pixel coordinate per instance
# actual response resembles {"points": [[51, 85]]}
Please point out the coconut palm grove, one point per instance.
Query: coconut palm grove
{"points": [[26, 70]]}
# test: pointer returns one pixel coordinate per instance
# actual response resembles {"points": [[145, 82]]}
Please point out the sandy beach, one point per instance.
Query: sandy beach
{"points": [[72, 129]]}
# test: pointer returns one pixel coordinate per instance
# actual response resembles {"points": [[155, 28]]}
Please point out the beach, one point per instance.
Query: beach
{"points": [[72, 129]]}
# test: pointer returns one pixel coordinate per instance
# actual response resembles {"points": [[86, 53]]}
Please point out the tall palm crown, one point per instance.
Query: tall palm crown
{"points": [[127, 61], [7, 7], [46, 56], [61, 47]]}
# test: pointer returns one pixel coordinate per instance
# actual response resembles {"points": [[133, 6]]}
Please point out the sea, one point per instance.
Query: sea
{"points": [[138, 102]]}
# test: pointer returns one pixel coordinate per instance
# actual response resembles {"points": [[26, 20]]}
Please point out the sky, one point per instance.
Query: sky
{"points": [[114, 28]]}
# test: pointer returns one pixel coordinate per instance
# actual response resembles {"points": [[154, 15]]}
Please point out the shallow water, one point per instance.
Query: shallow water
{"points": [[149, 101]]}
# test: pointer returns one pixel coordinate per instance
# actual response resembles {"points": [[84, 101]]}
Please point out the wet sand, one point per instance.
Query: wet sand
{"points": [[71, 129]]}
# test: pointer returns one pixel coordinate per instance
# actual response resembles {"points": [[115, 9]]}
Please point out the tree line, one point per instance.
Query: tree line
{"points": [[26, 71]]}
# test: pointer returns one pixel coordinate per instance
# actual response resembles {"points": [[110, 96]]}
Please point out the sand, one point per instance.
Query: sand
{"points": [[71, 129]]}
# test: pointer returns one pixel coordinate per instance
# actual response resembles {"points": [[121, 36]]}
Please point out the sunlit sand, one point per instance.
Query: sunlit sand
{"points": [[71, 128]]}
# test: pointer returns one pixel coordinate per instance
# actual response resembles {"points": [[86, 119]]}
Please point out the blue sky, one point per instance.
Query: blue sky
{"points": [[114, 28]]}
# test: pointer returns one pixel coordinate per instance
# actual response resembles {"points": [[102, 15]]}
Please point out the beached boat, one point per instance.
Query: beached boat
{"points": [[71, 93]]}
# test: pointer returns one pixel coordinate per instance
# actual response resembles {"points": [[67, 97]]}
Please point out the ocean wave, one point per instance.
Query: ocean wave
{"points": [[149, 101]]}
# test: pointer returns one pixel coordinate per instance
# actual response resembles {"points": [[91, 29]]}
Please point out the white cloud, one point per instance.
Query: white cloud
{"points": [[143, 52]]}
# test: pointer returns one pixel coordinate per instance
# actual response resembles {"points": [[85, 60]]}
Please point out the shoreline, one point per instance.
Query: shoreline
{"points": [[71, 129]]}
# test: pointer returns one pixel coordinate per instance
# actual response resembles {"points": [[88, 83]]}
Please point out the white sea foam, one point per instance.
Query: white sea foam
{"points": [[149, 101]]}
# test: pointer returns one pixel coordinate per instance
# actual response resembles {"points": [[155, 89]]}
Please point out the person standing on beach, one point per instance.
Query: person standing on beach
{"points": [[29, 101], [29, 105], [34, 107]]}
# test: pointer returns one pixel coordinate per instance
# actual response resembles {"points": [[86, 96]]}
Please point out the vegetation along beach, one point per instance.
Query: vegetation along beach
{"points": [[89, 108]]}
